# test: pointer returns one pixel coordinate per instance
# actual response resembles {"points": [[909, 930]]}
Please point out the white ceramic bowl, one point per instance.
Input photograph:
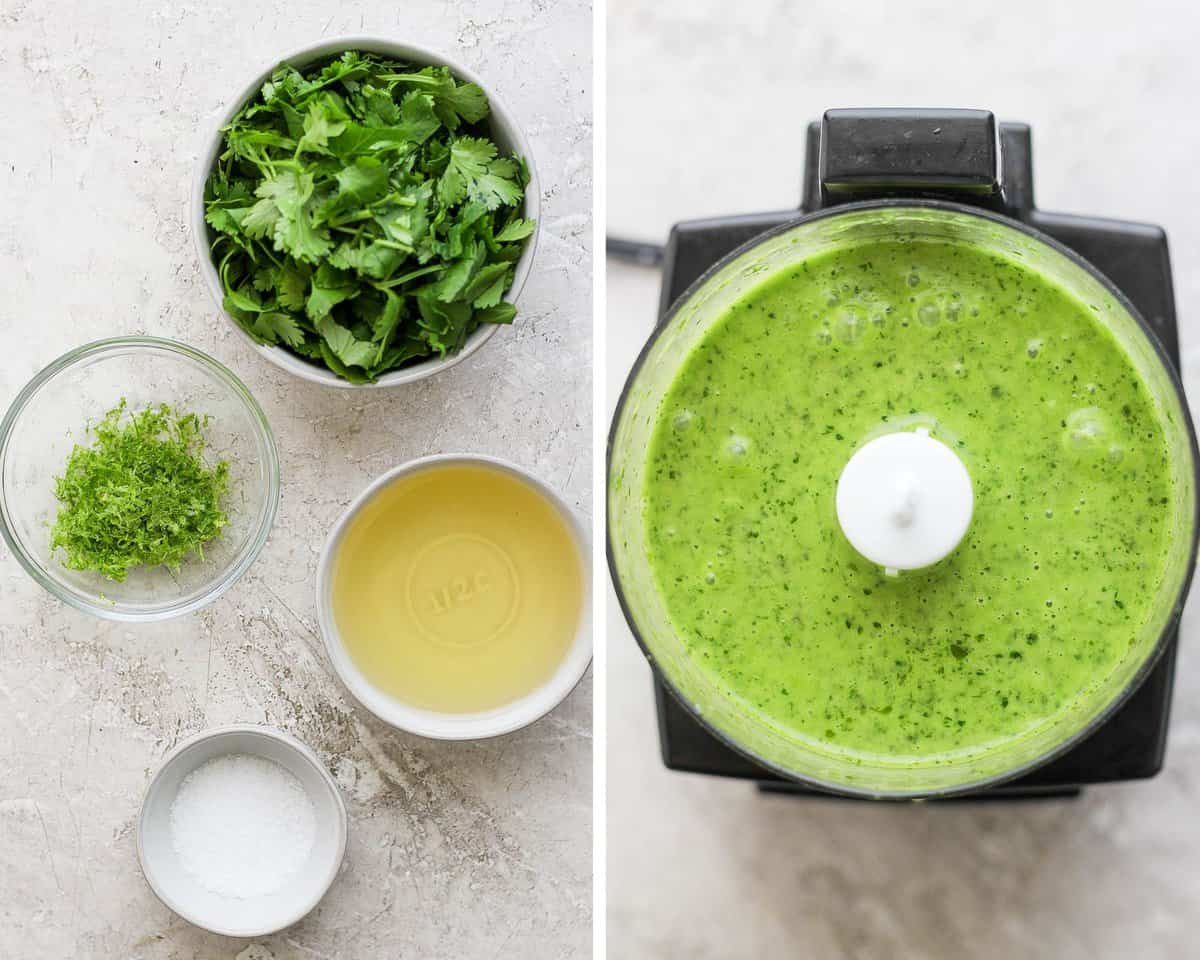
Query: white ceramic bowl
{"points": [[254, 916], [505, 131], [457, 726]]}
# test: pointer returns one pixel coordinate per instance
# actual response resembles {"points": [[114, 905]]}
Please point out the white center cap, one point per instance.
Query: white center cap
{"points": [[904, 500]]}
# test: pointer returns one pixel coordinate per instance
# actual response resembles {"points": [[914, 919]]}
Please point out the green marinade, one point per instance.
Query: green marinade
{"points": [[1071, 474]]}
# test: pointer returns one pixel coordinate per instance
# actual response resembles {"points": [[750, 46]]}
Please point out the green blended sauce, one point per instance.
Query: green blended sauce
{"points": [[1065, 553]]}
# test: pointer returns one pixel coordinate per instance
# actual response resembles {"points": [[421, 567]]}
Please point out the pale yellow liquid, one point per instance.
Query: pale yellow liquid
{"points": [[458, 589]]}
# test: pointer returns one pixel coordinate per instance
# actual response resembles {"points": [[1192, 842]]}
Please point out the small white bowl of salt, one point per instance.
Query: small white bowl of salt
{"points": [[242, 830]]}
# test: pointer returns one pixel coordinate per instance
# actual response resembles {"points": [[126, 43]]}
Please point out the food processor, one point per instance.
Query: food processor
{"points": [[954, 174]]}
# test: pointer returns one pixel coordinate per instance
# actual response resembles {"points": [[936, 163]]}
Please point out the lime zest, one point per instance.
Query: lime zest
{"points": [[140, 494]]}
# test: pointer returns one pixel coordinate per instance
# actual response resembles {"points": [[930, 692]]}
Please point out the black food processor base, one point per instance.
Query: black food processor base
{"points": [[1131, 745]]}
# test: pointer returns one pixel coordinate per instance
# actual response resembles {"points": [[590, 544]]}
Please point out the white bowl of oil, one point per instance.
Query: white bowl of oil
{"points": [[454, 597]]}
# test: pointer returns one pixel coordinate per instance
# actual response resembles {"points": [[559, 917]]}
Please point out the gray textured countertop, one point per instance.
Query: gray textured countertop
{"points": [[710, 870], [456, 850]]}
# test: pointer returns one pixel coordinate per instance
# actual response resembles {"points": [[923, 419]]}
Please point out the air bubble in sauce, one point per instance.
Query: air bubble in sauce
{"points": [[737, 446]]}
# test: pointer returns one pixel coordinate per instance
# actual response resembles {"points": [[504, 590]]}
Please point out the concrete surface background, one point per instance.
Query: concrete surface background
{"points": [[707, 104], [456, 850]]}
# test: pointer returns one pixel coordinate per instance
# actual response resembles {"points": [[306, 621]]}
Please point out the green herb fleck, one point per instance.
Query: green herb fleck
{"points": [[140, 495]]}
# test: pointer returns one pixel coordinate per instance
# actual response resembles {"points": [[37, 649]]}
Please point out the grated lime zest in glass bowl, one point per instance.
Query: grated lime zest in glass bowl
{"points": [[144, 512]]}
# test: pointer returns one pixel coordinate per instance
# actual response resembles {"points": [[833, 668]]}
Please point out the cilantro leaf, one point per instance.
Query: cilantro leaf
{"points": [[260, 219], [321, 123], [292, 285], [500, 313], [365, 180], [330, 287], [300, 238], [277, 326], [465, 99], [517, 229], [345, 346], [418, 119], [489, 285], [288, 191], [475, 168], [454, 102], [443, 325]]}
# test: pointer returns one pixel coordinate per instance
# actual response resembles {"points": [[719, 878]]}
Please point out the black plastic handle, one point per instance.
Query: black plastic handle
{"points": [[952, 154]]}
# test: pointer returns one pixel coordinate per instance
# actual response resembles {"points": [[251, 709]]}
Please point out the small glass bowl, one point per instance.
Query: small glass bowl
{"points": [[51, 415]]}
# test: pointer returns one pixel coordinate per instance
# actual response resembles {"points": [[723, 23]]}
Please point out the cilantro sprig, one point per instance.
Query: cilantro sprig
{"points": [[362, 217], [140, 495]]}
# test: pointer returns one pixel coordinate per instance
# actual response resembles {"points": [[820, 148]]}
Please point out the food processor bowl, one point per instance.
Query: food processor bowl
{"points": [[784, 751]]}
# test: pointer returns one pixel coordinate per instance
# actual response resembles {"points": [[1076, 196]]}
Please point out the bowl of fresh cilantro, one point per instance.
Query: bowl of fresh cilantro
{"points": [[366, 213]]}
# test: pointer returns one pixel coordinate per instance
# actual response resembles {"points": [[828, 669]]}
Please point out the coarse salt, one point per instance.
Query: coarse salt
{"points": [[242, 825]]}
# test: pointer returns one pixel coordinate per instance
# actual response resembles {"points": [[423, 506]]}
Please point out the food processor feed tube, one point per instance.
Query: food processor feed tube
{"points": [[904, 500], [910, 440]]}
